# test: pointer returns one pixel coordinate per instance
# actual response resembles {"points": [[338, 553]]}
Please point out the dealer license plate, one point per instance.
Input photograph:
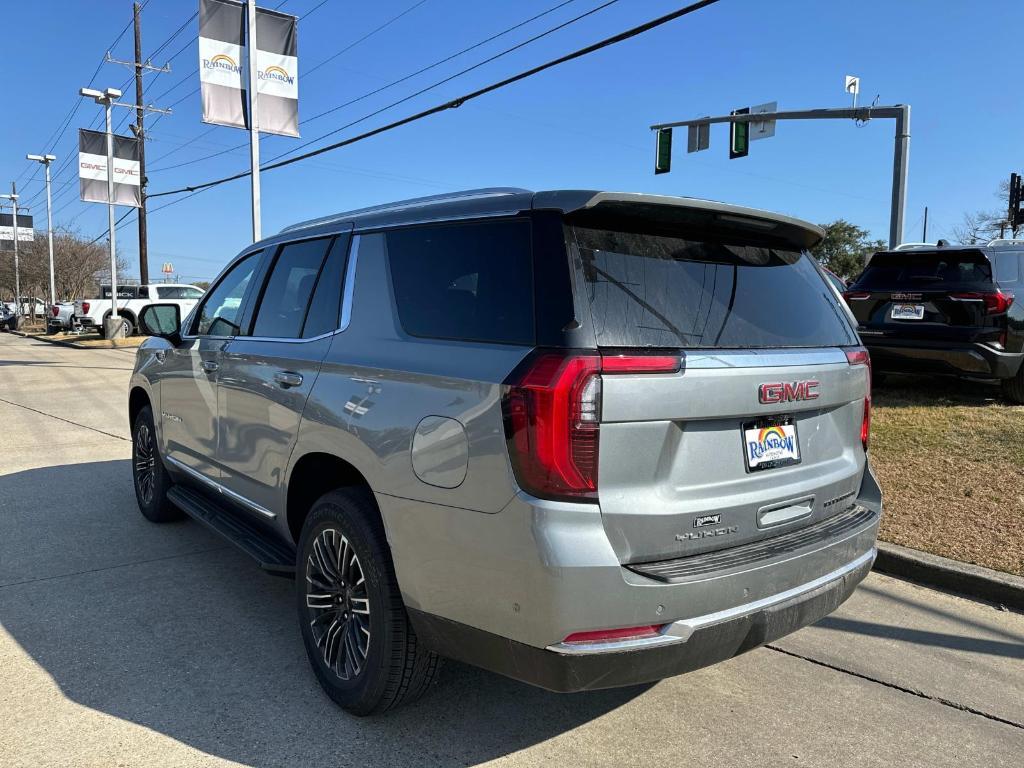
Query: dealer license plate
{"points": [[770, 443], [907, 311]]}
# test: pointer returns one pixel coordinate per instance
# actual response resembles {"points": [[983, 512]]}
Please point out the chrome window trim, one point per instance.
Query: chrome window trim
{"points": [[346, 303], [680, 631], [347, 296], [220, 488]]}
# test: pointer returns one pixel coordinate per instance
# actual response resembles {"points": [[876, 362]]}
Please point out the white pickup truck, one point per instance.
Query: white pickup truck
{"points": [[130, 300]]}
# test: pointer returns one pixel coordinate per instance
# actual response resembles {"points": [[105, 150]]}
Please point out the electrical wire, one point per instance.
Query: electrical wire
{"points": [[457, 102], [393, 83]]}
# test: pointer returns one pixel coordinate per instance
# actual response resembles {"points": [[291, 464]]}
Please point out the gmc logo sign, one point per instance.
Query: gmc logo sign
{"points": [[787, 391]]}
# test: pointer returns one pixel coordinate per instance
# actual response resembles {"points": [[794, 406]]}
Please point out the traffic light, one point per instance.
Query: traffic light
{"points": [[739, 135], [663, 151]]}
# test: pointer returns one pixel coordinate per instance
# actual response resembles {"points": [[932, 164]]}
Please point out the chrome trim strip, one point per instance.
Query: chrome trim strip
{"points": [[681, 630], [220, 488], [762, 358], [350, 282]]}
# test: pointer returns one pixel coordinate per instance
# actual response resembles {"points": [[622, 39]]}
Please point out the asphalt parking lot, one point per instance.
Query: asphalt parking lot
{"points": [[125, 643]]}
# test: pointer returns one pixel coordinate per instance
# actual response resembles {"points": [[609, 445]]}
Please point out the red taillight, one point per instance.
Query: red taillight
{"points": [[856, 295], [996, 303], [611, 635], [860, 356], [54, 310], [85, 307], [552, 411]]}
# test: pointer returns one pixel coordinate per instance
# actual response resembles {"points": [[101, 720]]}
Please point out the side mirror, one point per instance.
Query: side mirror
{"points": [[162, 320]]}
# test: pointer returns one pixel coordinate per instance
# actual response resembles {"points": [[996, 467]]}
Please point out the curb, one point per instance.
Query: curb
{"points": [[931, 570], [65, 343]]}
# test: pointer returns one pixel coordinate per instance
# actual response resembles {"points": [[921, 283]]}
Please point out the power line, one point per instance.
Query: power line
{"points": [[368, 35], [459, 101], [63, 125], [394, 83]]}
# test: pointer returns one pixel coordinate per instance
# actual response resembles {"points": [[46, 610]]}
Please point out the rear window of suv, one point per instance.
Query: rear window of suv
{"points": [[470, 282], [647, 290], [925, 270]]}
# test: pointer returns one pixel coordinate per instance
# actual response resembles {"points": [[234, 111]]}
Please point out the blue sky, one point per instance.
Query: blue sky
{"points": [[584, 124]]}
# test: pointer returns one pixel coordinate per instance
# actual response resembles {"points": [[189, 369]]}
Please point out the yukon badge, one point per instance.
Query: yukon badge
{"points": [[787, 391]]}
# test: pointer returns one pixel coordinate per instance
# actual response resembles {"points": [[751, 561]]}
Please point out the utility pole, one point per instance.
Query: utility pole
{"points": [[46, 160], [901, 145], [252, 67], [139, 113], [140, 67]]}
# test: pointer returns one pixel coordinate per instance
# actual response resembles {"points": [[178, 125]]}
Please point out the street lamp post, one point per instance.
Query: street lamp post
{"points": [[106, 99], [46, 160], [13, 197]]}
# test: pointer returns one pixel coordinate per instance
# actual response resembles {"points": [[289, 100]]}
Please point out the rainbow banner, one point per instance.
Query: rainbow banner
{"points": [[224, 72]]}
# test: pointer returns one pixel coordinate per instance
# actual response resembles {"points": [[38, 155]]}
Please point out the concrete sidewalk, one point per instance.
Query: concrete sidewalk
{"points": [[126, 643]]}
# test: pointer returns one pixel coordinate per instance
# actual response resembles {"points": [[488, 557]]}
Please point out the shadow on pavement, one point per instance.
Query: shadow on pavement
{"points": [[164, 627], [925, 637]]}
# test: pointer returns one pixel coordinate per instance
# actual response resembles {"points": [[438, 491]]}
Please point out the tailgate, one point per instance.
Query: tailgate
{"points": [[675, 462]]}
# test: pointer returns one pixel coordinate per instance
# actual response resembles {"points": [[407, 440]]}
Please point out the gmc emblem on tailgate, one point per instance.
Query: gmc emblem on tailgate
{"points": [[787, 391]]}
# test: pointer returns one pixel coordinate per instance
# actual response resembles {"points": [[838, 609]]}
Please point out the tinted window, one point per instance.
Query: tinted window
{"points": [[465, 281], [657, 291], [1007, 267], [178, 292], [282, 310], [221, 313], [324, 311], [925, 269]]}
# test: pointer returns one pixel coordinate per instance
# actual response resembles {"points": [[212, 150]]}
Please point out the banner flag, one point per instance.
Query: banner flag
{"points": [[92, 168], [26, 233], [222, 67]]}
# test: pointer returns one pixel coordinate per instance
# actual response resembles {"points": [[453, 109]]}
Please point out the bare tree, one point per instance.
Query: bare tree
{"points": [[982, 226], [79, 266]]}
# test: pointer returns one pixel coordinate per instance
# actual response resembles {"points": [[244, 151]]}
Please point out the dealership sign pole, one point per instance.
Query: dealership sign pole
{"points": [[112, 177], [24, 232], [46, 160], [266, 99]]}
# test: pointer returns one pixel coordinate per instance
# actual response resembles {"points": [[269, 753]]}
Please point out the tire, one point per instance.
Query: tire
{"points": [[1013, 389], [340, 609], [877, 379], [149, 476]]}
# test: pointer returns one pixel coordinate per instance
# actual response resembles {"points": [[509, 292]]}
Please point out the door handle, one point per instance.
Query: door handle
{"points": [[288, 379], [210, 366]]}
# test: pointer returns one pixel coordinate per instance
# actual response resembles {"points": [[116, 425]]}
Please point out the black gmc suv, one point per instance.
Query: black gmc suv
{"points": [[945, 310]]}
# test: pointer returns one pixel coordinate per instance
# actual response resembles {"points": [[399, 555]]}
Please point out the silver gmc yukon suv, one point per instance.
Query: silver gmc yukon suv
{"points": [[582, 439]]}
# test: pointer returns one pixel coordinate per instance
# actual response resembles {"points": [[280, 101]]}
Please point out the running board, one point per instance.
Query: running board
{"points": [[273, 556]]}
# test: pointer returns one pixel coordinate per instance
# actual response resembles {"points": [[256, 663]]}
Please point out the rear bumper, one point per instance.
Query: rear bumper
{"points": [[503, 590], [682, 646], [964, 359]]}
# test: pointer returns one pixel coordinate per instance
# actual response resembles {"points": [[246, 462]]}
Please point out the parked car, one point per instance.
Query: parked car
{"points": [[8, 321], [92, 313], [582, 439], [29, 305], [62, 316], [945, 310]]}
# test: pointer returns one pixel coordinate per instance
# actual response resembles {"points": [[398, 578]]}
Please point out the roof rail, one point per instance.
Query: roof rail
{"points": [[912, 246], [1004, 241], [414, 202]]}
